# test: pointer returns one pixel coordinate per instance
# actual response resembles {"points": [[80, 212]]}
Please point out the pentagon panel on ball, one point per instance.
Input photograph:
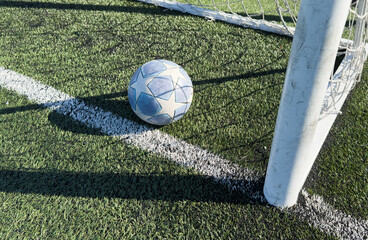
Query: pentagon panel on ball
{"points": [[160, 92]]}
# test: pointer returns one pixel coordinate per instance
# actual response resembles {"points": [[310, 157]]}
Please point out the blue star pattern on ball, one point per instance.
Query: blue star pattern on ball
{"points": [[160, 92]]}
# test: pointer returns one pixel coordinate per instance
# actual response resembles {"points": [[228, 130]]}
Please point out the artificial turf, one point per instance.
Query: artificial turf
{"points": [[62, 179], [237, 74], [75, 183]]}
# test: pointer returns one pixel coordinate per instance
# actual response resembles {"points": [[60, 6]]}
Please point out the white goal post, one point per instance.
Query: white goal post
{"points": [[314, 88], [300, 129]]}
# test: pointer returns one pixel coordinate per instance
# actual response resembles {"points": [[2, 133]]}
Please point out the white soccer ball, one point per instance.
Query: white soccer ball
{"points": [[160, 92]]}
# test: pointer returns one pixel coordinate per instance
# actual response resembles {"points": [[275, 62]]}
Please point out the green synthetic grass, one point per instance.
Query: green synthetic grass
{"points": [[237, 74], [78, 184], [61, 179]]}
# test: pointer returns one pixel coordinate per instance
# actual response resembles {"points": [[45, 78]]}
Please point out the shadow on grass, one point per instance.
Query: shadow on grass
{"points": [[252, 74], [124, 186], [85, 7], [12, 110], [116, 8], [106, 103], [113, 103]]}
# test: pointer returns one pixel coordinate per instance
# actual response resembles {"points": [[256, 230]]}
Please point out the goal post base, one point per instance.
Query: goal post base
{"points": [[290, 199]]}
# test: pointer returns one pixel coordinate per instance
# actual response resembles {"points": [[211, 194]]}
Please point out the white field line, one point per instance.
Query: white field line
{"points": [[142, 136], [323, 216], [314, 210]]}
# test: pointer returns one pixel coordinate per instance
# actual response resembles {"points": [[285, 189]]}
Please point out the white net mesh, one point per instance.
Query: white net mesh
{"points": [[280, 17], [350, 59], [277, 16]]}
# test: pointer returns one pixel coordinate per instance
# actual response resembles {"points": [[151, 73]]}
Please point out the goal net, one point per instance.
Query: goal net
{"points": [[281, 17], [277, 16]]}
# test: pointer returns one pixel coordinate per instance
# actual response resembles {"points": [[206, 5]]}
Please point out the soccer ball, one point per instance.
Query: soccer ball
{"points": [[160, 92]]}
